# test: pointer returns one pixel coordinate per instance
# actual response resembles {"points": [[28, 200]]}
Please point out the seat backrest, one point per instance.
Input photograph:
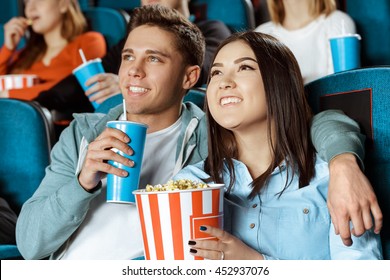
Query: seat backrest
{"points": [[372, 18], [197, 96], [109, 22], [1, 34], [126, 5], [238, 15], [27, 136], [9, 9], [85, 4], [364, 95]]}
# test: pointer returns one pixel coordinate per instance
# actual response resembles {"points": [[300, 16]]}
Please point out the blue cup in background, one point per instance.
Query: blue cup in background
{"points": [[86, 71], [120, 189], [345, 52]]}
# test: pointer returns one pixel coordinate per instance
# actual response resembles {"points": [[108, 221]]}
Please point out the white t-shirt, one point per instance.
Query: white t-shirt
{"points": [[112, 231], [310, 44]]}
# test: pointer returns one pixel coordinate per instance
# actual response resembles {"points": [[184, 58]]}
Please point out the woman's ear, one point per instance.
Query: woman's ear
{"points": [[191, 76]]}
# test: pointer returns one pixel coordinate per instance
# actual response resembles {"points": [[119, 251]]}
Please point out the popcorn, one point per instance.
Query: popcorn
{"points": [[173, 185]]}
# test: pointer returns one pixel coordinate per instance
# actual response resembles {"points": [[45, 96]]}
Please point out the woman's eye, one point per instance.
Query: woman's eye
{"points": [[246, 67], [215, 72]]}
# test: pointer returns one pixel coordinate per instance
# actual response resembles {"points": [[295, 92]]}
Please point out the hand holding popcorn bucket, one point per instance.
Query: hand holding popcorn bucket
{"points": [[169, 218]]}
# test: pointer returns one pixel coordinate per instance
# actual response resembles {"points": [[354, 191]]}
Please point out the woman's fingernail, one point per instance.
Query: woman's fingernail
{"points": [[194, 251], [191, 242], [203, 228]]}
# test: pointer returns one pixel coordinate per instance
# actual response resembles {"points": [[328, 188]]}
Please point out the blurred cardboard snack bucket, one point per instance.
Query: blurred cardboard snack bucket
{"points": [[17, 81], [169, 219]]}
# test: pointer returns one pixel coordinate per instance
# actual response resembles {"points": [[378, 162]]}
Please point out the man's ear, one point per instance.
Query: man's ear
{"points": [[191, 76]]}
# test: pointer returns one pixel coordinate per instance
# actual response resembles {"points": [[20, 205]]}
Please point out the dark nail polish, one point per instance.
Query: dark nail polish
{"points": [[194, 251], [203, 228], [191, 242]]}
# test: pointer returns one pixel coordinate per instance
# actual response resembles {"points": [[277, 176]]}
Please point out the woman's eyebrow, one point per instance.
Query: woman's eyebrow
{"points": [[241, 59], [238, 60]]}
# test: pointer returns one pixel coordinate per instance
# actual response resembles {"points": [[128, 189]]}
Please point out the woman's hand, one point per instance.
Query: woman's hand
{"points": [[14, 30], [105, 86], [95, 166], [227, 247]]}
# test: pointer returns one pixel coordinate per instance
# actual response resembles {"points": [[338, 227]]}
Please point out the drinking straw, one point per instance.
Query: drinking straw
{"points": [[82, 56], [124, 109]]}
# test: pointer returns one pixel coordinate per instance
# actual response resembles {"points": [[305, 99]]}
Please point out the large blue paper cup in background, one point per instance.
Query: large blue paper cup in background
{"points": [[119, 189], [86, 71], [345, 52]]}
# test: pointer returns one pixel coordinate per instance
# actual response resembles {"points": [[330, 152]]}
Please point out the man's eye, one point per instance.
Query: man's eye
{"points": [[128, 57], [154, 59]]}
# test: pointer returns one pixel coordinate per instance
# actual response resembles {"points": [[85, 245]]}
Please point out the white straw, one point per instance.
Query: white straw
{"points": [[82, 56], [124, 109]]}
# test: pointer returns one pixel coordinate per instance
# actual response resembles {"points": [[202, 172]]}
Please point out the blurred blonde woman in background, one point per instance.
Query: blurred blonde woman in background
{"points": [[305, 27], [56, 31]]}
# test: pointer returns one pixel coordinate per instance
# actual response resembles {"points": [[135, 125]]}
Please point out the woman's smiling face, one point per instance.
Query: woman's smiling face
{"points": [[235, 94]]}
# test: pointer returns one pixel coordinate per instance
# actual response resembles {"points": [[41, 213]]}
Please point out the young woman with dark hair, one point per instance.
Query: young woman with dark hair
{"points": [[259, 147]]}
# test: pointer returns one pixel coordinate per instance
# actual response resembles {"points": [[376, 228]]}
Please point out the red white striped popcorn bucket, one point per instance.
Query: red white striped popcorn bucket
{"points": [[17, 81], [169, 219]]}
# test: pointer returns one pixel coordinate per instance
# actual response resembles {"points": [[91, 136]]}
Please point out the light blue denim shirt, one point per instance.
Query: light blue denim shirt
{"points": [[295, 225]]}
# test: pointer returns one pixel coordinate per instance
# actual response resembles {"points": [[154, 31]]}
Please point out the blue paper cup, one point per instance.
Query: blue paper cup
{"points": [[345, 52], [120, 189], [86, 71]]}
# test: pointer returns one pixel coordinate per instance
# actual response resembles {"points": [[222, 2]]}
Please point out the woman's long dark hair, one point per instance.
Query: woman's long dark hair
{"points": [[287, 109]]}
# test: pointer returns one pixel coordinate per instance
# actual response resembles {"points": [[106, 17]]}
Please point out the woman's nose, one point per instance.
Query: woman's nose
{"points": [[226, 83]]}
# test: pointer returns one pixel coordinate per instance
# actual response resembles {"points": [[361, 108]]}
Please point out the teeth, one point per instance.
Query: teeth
{"points": [[138, 89], [228, 100]]}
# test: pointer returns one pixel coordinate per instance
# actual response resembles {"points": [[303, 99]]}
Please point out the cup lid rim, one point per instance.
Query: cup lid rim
{"points": [[346, 35], [124, 121], [88, 62]]}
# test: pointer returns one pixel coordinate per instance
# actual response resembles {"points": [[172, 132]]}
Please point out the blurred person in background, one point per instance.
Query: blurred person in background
{"points": [[56, 32], [305, 26]]}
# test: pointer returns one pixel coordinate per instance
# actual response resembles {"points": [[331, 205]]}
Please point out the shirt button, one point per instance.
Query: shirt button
{"points": [[305, 211], [252, 225], [254, 205]]}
